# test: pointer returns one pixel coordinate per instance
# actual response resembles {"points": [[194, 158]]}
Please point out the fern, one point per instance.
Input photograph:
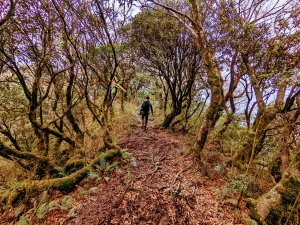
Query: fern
{"points": [[23, 221], [45, 208], [111, 167], [42, 211], [81, 191], [128, 158], [66, 202], [44, 197], [53, 205], [93, 175], [18, 211]]}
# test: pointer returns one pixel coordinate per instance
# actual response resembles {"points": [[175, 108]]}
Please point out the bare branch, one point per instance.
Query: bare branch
{"points": [[9, 14]]}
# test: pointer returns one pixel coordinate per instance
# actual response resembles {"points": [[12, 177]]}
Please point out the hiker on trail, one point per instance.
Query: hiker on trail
{"points": [[144, 112]]}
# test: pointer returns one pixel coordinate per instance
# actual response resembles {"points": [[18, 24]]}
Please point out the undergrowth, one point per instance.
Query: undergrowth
{"points": [[37, 209]]}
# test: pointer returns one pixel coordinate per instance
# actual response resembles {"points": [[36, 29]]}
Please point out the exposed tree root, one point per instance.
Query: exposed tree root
{"points": [[275, 205], [66, 184]]}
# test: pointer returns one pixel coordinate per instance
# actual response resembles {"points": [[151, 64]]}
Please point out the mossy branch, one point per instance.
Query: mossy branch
{"points": [[7, 151], [65, 184]]}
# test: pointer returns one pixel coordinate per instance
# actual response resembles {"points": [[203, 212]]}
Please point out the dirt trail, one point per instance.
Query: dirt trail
{"points": [[162, 188]]}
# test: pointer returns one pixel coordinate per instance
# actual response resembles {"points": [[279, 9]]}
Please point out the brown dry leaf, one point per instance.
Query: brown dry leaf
{"points": [[163, 189]]}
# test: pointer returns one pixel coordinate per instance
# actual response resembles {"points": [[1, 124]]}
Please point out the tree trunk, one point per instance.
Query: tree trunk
{"points": [[284, 145], [281, 203], [255, 140], [42, 165], [71, 118], [196, 28], [264, 118], [216, 102], [229, 119], [168, 120], [213, 77]]}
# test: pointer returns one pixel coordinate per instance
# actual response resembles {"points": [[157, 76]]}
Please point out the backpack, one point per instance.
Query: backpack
{"points": [[145, 106]]}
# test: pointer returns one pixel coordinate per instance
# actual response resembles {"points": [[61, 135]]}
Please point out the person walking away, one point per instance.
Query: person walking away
{"points": [[144, 112]]}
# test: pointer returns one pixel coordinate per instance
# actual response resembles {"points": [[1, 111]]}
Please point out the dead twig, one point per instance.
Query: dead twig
{"points": [[116, 204], [177, 176], [149, 138]]}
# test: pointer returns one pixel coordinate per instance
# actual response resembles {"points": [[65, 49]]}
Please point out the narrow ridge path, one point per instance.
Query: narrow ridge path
{"points": [[161, 187]]}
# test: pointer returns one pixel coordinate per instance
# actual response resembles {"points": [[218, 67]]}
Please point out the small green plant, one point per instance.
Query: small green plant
{"points": [[81, 191], [94, 175], [44, 207], [128, 158], [73, 211], [238, 184], [128, 177], [19, 210], [111, 167], [43, 198], [42, 211], [23, 221], [219, 169], [66, 202]]}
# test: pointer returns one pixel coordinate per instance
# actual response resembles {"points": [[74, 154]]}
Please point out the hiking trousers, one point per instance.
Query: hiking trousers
{"points": [[144, 118]]}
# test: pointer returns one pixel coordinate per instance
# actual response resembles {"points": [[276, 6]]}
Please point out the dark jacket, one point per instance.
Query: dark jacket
{"points": [[146, 107]]}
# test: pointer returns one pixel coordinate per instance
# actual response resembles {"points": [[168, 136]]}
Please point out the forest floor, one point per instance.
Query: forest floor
{"points": [[162, 186]]}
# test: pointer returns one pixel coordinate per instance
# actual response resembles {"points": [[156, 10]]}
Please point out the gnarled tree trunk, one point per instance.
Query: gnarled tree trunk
{"points": [[281, 204], [66, 184], [170, 117], [216, 106], [216, 101]]}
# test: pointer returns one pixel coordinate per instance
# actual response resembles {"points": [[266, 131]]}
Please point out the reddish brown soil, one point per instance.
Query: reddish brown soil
{"points": [[163, 188]]}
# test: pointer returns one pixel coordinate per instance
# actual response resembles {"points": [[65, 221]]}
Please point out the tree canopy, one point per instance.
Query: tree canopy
{"points": [[224, 73]]}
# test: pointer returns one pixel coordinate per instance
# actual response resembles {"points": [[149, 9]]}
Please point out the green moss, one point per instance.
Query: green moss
{"points": [[66, 185], [252, 222], [73, 165], [251, 204], [287, 189]]}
